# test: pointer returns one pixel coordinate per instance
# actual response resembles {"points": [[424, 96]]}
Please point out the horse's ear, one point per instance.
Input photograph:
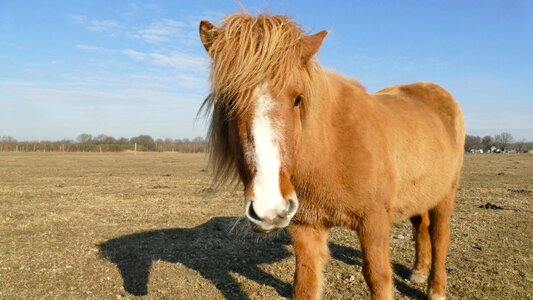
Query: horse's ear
{"points": [[311, 44], [208, 33]]}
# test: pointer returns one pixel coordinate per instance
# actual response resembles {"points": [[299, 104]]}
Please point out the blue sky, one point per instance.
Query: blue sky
{"points": [[128, 68]]}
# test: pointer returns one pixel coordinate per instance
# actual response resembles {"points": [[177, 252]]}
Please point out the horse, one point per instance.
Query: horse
{"points": [[314, 150]]}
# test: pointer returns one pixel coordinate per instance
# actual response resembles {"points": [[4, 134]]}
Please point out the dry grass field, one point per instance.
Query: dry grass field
{"points": [[113, 226]]}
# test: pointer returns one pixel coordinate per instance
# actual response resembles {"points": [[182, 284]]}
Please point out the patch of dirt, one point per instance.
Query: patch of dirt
{"points": [[156, 229]]}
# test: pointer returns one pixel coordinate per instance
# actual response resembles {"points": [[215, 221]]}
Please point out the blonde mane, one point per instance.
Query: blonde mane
{"points": [[248, 51]]}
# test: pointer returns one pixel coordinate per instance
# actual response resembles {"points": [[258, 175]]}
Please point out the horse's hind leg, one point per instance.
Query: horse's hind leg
{"points": [[439, 231], [422, 264], [311, 251]]}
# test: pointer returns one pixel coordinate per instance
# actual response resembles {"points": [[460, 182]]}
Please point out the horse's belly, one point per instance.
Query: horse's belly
{"points": [[422, 193]]}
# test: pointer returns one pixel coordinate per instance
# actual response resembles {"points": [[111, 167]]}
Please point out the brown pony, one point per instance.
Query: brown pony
{"points": [[314, 150]]}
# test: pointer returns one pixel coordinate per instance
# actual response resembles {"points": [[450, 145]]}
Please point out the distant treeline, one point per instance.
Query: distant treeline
{"points": [[502, 142], [105, 143]]}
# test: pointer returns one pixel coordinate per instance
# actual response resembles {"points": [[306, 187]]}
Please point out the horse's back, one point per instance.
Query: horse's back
{"points": [[436, 98]]}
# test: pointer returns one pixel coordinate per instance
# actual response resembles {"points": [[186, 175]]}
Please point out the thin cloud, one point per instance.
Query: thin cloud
{"points": [[80, 19], [132, 10], [95, 49], [180, 61], [88, 96], [163, 31], [187, 80], [169, 82], [101, 25], [95, 25], [212, 16], [136, 55], [176, 60]]}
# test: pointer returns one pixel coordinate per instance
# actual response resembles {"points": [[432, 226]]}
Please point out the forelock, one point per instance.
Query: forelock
{"points": [[248, 51]]}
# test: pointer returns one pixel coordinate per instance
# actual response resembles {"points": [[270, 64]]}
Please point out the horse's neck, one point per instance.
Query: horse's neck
{"points": [[336, 105], [338, 100]]}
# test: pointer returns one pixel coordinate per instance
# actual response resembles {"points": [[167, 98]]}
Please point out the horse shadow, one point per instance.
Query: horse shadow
{"points": [[213, 250]]}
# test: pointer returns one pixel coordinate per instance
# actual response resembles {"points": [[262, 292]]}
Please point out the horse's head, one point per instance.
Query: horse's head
{"points": [[260, 75]]}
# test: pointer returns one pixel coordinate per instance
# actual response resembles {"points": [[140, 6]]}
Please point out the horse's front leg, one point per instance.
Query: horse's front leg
{"points": [[311, 251], [374, 236]]}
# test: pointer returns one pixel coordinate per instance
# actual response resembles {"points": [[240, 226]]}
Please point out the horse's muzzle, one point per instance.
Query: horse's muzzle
{"points": [[272, 221]]}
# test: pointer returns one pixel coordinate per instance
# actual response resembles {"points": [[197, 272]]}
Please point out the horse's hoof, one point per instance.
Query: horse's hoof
{"points": [[418, 277], [435, 296]]}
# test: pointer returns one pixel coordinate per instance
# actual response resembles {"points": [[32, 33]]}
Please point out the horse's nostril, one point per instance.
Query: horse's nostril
{"points": [[293, 206], [251, 212]]}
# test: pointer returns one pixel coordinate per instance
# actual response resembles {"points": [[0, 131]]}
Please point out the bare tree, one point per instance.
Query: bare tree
{"points": [[84, 138], [472, 142], [198, 139], [503, 140], [487, 142], [521, 145], [104, 139], [123, 141], [145, 140], [8, 139]]}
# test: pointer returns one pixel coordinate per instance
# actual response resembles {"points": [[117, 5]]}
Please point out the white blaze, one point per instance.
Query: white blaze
{"points": [[268, 201]]}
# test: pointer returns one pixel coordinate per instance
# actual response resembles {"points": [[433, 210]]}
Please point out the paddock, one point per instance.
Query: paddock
{"points": [[111, 226]]}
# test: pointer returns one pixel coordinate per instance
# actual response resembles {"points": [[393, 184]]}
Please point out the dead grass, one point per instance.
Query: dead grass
{"points": [[111, 226]]}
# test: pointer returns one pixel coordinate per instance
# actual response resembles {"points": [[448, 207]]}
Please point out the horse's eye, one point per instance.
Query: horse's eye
{"points": [[297, 100]]}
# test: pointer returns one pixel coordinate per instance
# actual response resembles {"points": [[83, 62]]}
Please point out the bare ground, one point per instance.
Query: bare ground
{"points": [[112, 226]]}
